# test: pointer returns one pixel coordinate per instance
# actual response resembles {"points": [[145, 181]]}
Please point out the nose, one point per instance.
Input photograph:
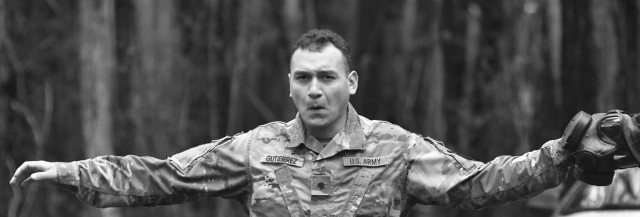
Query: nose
{"points": [[314, 90]]}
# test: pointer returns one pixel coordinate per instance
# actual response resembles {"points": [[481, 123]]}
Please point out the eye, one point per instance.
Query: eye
{"points": [[328, 77], [301, 77]]}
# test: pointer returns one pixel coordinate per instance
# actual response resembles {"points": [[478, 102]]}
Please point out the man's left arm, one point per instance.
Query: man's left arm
{"points": [[441, 177]]}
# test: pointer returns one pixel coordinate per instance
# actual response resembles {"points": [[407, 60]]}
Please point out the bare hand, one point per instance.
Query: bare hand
{"points": [[31, 171]]}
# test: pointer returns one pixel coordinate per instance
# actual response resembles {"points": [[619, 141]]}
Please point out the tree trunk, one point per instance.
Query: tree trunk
{"points": [[310, 11], [239, 68], [407, 76], [159, 90], [433, 121], [523, 66], [635, 80], [631, 61], [294, 22], [554, 28], [8, 164], [215, 67], [245, 70], [4, 76], [351, 23], [243, 77], [97, 69], [472, 50], [605, 54], [293, 19], [431, 81], [215, 74]]}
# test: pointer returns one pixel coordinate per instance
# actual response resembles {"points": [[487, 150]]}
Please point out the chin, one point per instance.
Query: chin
{"points": [[315, 122]]}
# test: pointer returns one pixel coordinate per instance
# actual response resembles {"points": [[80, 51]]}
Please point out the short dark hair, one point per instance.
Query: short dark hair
{"points": [[316, 39]]}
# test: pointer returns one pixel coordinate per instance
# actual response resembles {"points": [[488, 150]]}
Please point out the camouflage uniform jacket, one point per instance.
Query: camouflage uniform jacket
{"points": [[370, 168]]}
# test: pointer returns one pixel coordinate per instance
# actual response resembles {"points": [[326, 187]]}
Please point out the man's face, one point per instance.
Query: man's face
{"points": [[320, 87]]}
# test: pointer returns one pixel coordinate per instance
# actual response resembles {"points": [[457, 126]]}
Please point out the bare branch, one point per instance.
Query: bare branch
{"points": [[36, 129], [48, 109]]}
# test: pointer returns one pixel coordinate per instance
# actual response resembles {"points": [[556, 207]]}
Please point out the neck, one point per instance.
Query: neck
{"points": [[325, 133]]}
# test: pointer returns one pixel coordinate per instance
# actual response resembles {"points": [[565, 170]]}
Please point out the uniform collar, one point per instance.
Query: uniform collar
{"points": [[351, 137]]}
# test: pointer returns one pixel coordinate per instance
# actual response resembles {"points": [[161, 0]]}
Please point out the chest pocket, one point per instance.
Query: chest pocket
{"points": [[358, 190]]}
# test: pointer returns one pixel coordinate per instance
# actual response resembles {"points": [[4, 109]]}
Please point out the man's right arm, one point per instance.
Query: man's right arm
{"points": [[215, 169]]}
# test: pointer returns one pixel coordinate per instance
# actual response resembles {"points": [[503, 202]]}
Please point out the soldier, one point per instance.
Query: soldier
{"points": [[328, 161]]}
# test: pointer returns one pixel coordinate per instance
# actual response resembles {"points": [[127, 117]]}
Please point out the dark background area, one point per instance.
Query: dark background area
{"points": [[80, 79]]}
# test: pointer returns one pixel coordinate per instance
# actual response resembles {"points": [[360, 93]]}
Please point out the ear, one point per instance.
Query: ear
{"points": [[289, 76], [352, 78]]}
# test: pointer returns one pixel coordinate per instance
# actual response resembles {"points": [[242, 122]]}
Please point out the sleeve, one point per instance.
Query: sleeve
{"points": [[440, 177], [219, 168]]}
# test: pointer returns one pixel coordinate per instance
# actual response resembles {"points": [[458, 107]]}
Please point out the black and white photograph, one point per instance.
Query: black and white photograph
{"points": [[318, 108]]}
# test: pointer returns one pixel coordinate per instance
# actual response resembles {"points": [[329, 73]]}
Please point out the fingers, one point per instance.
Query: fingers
{"points": [[13, 182], [26, 182], [47, 175], [20, 175], [33, 171]]}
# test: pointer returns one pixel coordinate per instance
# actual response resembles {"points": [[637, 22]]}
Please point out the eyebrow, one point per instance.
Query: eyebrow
{"points": [[322, 72], [325, 72], [300, 72]]}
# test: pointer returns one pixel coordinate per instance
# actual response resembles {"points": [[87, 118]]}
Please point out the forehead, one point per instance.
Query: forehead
{"points": [[328, 58]]}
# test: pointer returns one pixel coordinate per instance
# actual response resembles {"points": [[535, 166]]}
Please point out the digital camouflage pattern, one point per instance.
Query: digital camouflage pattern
{"points": [[371, 168]]}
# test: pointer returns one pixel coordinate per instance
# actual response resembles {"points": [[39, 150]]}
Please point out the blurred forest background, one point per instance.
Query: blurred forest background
{"points": [[154, 77]]}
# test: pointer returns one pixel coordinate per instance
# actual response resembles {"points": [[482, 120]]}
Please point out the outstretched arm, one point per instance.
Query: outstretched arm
{"points": [[214, 169], [439, 176]]}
